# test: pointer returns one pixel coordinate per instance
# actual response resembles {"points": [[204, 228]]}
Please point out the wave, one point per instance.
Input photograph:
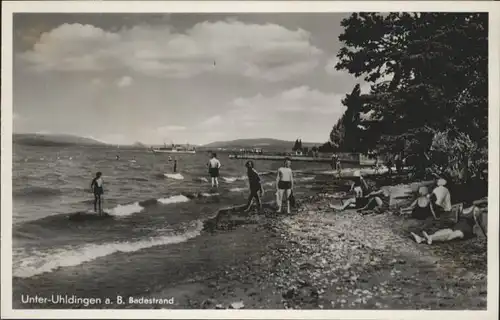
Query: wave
{"points": [[238, 189], [173, 199], [135, 179], [207, 195], [33, 191], [176, 176], [306, 179], [233, 179], [42, 262], [202, 179], [125, 210]]}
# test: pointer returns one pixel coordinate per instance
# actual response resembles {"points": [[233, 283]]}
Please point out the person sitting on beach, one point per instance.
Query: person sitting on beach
{"points": [[255, 186], [213, 169], [465, 221], [422, 207], [284, 185], [378, 202], [360, 189], [97, 188], [441, 197]]}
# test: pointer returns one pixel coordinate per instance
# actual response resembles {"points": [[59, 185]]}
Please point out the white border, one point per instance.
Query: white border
{"points": [[259, 6]]}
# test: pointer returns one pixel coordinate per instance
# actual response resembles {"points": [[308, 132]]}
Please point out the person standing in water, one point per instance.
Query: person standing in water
{"points": [[255, 186], [97, 188], [213, 169], [175, 165], [284, 184]]}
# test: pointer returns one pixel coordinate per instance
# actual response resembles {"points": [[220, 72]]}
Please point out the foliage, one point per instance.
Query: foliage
{"points": [[428, 74]]}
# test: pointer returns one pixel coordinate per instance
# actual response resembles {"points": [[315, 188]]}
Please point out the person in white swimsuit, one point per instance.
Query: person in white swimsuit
{"points": [[284, 184]]}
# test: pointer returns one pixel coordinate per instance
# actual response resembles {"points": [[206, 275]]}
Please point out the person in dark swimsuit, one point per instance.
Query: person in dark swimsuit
{"points": [[284, 185], [97, 188], [255, 186], [422, 207], [175, 165]]}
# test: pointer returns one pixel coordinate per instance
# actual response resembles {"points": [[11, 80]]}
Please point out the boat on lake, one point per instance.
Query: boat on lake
{"points": [[177, 149]]}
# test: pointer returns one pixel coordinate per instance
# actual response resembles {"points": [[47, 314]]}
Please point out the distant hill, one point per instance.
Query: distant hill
{"points": [[35, 139], [264, 143]]}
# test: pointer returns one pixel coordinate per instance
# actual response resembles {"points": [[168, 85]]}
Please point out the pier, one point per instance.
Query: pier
{"points": [[293, 158]]}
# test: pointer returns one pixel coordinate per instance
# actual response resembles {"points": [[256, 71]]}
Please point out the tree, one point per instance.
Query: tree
{"points": [[428, 72]]}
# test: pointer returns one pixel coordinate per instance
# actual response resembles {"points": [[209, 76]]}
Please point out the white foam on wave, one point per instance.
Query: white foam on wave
{"points": [[306, 179], [173, 199], [237, 189], [126, 209], [233, 179], [205, 194], [41, 262], [176, 176], [203, 179]]}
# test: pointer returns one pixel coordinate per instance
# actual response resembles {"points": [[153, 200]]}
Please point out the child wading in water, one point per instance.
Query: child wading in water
{"points": [[254, 182], [97, 188]]}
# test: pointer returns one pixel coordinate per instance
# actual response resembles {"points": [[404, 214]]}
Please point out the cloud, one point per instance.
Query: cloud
{"points": [[212, 121], [330, 67], [124, 82], [300, 99], [96, 82], [267, 52], [170, 129]]}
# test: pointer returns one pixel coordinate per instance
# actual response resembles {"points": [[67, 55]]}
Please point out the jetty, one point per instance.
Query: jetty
{"points": [[292, 157]]}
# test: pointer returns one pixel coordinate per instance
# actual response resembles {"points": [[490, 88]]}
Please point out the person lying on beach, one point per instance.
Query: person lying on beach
{"points": [[255, 186], [97, 188], [465, 221], [284, 185], [213, 170], [422, 207]]}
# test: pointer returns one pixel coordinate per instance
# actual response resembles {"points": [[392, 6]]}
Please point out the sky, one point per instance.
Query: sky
{"points": [[183, 77]]}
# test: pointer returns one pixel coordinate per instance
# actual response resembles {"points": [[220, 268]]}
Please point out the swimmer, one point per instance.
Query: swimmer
{"points": [[213, 169], [97, 188]]}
